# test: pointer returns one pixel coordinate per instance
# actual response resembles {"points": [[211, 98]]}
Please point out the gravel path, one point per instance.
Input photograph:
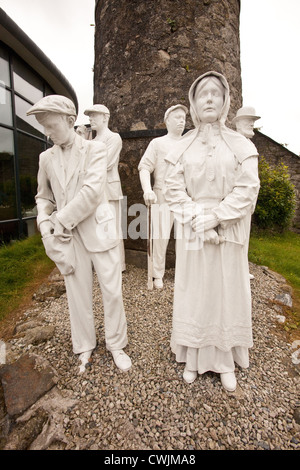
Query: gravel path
{"points": [[151, 407]]}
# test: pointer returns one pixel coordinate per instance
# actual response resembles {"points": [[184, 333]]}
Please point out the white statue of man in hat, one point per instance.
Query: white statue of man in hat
{"points": [[83, 131], [244, 121], [99, 118], [153, 162], [78, 228]]}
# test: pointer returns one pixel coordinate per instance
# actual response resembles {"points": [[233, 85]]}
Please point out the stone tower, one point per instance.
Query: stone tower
{"points": [[147, 55]]}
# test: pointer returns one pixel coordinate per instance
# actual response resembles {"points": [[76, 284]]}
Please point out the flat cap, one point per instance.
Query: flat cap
{"points": [[172, 108], [97, 108], [54, 103]]}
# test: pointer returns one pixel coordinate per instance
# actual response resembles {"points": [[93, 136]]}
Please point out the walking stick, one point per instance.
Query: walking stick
{"points": [[150, 250]]}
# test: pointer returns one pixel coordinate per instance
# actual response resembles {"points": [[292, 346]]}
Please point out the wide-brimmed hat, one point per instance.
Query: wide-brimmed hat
{"points": [[172, 108], [55, 104], [97, 108], [245, 111]]}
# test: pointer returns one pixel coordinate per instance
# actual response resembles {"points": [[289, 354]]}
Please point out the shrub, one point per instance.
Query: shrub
{"points": [[276, 201]]}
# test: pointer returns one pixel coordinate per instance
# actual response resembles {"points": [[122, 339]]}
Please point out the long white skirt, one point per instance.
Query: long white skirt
{"points": [[211, 358], [212, 327]]}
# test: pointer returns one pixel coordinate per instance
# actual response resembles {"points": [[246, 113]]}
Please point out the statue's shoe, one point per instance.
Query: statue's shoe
{"points": [[122, 360], [158, 283], [189, 376], [84, 359], [228, 381]]}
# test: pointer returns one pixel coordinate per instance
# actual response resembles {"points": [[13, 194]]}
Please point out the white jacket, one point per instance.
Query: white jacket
{"points": [[79, 196]]}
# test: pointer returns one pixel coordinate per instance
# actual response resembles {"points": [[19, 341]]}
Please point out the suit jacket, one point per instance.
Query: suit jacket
{"points": [[78, 195], [113, 142]]}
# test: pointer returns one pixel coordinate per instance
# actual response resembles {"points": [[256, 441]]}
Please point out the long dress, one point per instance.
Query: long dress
{"points": [[212, 326]]}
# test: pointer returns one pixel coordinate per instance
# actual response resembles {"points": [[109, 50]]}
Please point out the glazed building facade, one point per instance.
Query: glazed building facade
{"points": [[26, 75]]}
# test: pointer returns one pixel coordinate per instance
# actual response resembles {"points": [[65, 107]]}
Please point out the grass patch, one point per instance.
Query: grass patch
{"points": [[24, 265], [281, 253]]}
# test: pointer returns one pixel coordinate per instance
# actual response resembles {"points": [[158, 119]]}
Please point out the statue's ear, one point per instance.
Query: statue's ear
{"points": [[71, 120]]}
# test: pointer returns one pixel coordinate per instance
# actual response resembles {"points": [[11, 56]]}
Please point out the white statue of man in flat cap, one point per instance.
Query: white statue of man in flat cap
{"points": [[244, 121], [78, 228], [99, 118], [83, 131], [153, 162]]}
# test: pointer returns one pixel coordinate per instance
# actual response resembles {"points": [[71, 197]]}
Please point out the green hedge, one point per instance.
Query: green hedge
{"points": [[276, 201]]}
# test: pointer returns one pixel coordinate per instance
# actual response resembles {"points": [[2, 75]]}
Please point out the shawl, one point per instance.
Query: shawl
{"points": [[238, 144]]}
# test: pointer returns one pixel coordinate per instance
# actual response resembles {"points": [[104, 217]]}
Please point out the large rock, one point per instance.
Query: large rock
{"points": [[25, 381], [285, 296], [51, 290], [56, 406], [23, 434], [39, 334]]}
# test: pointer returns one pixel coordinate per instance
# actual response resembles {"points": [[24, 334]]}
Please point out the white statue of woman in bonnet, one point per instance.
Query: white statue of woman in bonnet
{"points": [[211, 184]]}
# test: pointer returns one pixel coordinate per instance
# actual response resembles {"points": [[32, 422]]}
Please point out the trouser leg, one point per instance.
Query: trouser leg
{"points": [[159, 257], [162, 225], [116, 206], [79, 288], [108, 268], [122, 255]]}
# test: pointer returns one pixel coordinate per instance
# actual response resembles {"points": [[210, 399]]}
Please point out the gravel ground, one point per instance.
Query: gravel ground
{"points": [[151, 407]]}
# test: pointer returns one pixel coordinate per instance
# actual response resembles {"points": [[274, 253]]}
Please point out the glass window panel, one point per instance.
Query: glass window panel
{"points": [[5, 107], [7, 176], [4, 67], [29, 150], [26, 82], [9, 231], [27, 123]]}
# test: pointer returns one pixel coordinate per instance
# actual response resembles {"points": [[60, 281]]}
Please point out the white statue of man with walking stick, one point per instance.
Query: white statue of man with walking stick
{"points": [[160, 219]]}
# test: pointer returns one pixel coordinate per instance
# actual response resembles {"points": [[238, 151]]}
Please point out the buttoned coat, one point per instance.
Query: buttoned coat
{"points": [[78, 194]]}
